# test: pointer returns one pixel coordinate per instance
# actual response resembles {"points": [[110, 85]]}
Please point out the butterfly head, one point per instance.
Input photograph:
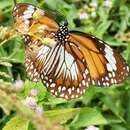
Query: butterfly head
{"points": [[62, 34]]}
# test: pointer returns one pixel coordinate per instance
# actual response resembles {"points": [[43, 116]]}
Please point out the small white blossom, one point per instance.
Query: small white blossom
{"points": [[39, 109], [92, 128], [93, 14], [85, 7], [33, 92], [83, 16], [30, 102], [94, 4], [108, 3], [18, 84]]}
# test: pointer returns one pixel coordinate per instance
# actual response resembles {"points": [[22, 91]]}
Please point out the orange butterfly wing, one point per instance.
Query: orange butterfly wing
{"points": [[29, 18], [106, 67], [34, 25]]}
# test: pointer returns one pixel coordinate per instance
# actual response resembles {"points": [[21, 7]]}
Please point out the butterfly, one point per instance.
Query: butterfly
{"points": [[66, 62]]}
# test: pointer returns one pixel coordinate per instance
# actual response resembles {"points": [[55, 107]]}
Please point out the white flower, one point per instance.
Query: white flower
{"points": [[94, 4], [33, 92], [83, 15], [108, 3], [30, 102], [92, 128], [18, 84], [93, 14], [39, 109], [85, 6]]}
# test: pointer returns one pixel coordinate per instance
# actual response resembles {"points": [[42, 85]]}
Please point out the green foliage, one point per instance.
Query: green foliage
{"points": [[107, 108], [17, 123]]}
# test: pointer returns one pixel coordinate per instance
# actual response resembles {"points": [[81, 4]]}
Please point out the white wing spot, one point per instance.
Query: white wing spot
{"points": [[72, 96], [36, 73], [93, 82], [73, 88], [86, 71], [52, 90], [42, 76], [63, 88], [50, 80], [70, 90], [127, 68], [35, 80], [47, 85], [83, 82], [110, 75], [52, 85], [56, 93], [78, 90], [62, 95], [100, 41], [66, 96], [109, 68], [59, 89]]}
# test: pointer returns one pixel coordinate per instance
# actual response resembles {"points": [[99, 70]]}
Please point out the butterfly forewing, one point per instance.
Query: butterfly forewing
{"points": [[30, 19], [35, 25]]}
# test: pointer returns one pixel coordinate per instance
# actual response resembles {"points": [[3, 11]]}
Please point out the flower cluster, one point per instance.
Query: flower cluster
{"points": [[107, 3], [31, 102], [18, 84], [88, 11]]}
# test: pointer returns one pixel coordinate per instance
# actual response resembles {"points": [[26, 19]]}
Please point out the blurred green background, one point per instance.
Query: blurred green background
{"points": [[104, 108]]}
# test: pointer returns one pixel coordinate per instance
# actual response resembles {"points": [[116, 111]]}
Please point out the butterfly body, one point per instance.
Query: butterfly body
{"points": [[62, 34], [65, 61]]}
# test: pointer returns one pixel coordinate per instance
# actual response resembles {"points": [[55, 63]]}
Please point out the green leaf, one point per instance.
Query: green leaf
{"points": [[62, 115], [41, 91], [114, 105], [118, 127], [17, 123], [4, 74], [102, 28], [18, 56], [31, 85], [112, 119], [89, 116], [58, 4], [7, 64], [52, 100]]}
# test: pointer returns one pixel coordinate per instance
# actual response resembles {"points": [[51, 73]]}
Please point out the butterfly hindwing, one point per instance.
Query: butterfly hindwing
{"points": [[65, 74], [35, 56]]}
